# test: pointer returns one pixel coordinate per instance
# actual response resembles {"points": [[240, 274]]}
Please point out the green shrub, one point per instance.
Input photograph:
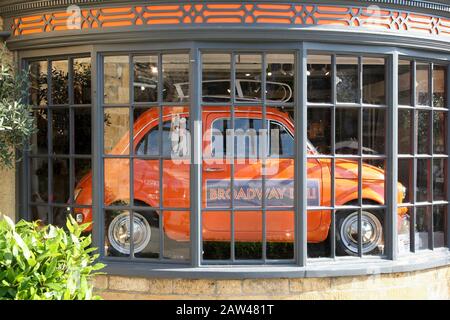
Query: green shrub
{"points": [[46, 263]]}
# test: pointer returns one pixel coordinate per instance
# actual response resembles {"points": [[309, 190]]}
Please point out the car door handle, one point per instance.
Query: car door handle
{"points": [[214, 169]]}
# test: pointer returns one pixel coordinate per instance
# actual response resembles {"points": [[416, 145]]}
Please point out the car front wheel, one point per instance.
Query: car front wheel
{"points": [[347, 233]]}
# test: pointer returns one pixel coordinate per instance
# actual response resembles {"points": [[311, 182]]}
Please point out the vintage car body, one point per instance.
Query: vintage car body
{"points": [[216, 178]]}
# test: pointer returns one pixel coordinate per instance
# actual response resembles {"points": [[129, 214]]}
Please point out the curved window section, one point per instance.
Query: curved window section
{"points": [[246, 206]]}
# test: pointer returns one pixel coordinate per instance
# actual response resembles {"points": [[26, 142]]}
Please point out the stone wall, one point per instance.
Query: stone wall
{"points": [[427, 284]]}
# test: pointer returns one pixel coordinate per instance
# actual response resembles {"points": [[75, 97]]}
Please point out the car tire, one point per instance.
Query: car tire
{"points": [[347, 233], [146, 233]]}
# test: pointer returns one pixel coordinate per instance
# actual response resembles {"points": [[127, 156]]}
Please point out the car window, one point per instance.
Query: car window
{"points": [[175, 139], [247, 141]]}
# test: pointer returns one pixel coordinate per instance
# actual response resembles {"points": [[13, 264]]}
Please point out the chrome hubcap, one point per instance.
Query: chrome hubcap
{"points": [[119, 233], [371, 232]]}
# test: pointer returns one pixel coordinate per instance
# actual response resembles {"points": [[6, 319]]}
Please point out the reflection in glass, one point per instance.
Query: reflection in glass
{"points": [[280, 246], [116, 130], [248, 77], [61, 126], [422, 84], [216, 77], [216, 235], [319, 129], [61, 180], [439, 179], [405, 176], [248, 235], [39, 140], [60, 81], [82, 80], [176, 226], [439, 226], [404, 131], [347, 79], [374, 84], [117, 182], [39, 180], [404, 82], [347, 141], [423, 179], [374, 131], [146, 234], [176, 77], [319, 78], [423, 143], [82, 128], [439, 132], [439, 85], [280, 77], [116, 80], [422, 227], [38, 83], [145, 78]]}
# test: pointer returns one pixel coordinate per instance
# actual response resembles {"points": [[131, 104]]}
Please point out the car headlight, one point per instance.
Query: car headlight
{"points": [[76, 193]]}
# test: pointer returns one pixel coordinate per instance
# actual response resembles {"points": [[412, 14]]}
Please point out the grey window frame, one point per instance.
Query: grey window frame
{"points": [[340, 267]]}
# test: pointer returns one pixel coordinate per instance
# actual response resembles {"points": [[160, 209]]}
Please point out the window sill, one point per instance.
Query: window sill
{"points": [[316, 268]]}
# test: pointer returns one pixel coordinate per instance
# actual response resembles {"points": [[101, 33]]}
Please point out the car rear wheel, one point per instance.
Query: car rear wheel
{"points": [[145, 233], [347, 233]]}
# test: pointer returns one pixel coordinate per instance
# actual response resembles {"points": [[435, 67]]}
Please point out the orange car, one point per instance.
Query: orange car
{"points": [[217, 199]]}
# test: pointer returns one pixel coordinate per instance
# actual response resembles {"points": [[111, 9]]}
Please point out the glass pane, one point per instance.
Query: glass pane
{"points": [[117, 233], [145, 78], [422, 84], [248, 235], [439, 226], [347, 141], [216, 77], [176, 77], [404, 82], [61, 137], [61, 180], [83, 182], [347, 84], [404, 232], [319, 78], [177, 243], [405, 177], [146, 182], [60, 81], [82, 80], [40, 213], [280, 72], [439, 87], [405, 131], [374, 131], [319, 129], [176, 134], [146, 131], [374, 84], [38, 83], [116, 80], [319, 243], [39, 141], [117, 182], [60, 216], [116, 131], [146, 234], [280, 235], [439, 132], [423, 180], [248, 77], [423, 132], [82, 128], [373, 232], [216, 235], [422, 228], [439, 179], [38, 180], [346, 181], [347, 233]]}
